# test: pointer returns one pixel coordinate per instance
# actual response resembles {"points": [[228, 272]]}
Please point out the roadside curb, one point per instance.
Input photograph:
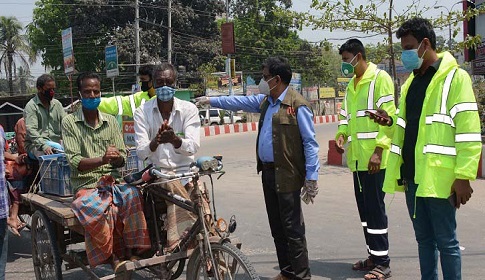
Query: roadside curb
{"points": [[253, 126]]}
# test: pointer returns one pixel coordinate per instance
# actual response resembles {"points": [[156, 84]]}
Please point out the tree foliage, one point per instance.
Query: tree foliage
{"points": [[14, 49], [377, 18], [98, 23]]}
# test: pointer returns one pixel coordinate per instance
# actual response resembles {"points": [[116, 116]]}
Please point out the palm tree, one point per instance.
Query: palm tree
{"points": [[13, 47]]}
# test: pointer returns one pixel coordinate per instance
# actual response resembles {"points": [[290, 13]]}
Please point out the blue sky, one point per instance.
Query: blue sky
{"points": [[22, 9]]}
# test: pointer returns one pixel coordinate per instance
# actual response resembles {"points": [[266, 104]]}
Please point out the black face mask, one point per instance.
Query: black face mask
{"points": [[49, 94], [145, 86]]}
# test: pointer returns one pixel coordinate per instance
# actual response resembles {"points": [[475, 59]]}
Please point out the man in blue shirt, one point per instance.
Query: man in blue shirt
{"points": [[287, 155]]}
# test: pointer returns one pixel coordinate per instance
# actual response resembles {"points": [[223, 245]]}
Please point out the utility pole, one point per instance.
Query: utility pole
{"points": [[229, 85], [137, 40], [169, 37]]}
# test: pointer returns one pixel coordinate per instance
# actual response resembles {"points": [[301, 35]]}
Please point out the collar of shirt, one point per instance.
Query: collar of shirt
{"points": [[435, 65], [79, 116], [280, 98]]}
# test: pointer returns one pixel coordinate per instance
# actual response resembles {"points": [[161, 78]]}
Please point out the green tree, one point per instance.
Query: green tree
{"points": [[13, 48], [375, 18], [97, 23]]}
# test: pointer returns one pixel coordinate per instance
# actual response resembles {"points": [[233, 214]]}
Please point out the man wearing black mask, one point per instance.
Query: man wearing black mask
{"points": [[126, 105], [43, 115]]}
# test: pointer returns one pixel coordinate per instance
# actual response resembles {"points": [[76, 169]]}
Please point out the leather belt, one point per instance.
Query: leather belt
{"points": [[268, 165]]}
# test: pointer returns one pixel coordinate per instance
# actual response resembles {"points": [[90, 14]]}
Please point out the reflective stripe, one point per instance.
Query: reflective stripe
{"points": [[343, 113], [143, 101], [364, 224], [367, 135], [438, 118], [349, 139], [397, 111], [446, 91], [343, 122], [132, 104], [384, 99], [379, 253], [463, 107], [361, 113], [377, 231], [120, 105], [401, 122], [395, 149], [372, 87], [437, 149], [468, 137]]}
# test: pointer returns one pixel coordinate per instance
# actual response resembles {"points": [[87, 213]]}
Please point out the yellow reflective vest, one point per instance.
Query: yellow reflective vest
{"points": [[363, 135], [123, 105], [449, 144]]}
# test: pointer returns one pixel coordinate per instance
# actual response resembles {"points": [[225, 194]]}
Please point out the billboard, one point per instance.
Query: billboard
{"points": [[296, 81], [342, 86], [478, 64], [218, 84], [326, 92], [111, 59], [67, 50]]}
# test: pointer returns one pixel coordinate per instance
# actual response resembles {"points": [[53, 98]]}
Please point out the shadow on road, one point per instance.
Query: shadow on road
{"points": [[19, 247], [334, 270]]}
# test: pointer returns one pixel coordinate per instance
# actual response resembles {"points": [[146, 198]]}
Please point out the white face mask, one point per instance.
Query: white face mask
{"points": [[264, 86]]}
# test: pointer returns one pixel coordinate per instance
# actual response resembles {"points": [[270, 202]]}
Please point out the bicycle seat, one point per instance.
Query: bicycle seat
{"points": [[135, 178]]}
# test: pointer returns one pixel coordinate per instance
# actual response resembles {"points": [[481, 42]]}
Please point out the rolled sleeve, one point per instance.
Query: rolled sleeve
{"points": [[72, 148]]}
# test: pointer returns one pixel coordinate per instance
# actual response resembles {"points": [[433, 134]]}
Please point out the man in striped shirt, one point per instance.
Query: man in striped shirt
{"points": [[112, 215]]}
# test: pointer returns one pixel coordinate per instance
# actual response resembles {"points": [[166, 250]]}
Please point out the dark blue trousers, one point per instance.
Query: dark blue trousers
{"points": [[372, 212]]}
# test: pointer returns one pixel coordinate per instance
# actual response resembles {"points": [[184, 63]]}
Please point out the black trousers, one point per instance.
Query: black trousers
{"points": [[372, 212], [287, 228]]}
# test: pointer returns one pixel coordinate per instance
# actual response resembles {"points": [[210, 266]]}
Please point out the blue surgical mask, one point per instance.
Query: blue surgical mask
{"points": [[411, 60], [165, 93], [91, 103]]}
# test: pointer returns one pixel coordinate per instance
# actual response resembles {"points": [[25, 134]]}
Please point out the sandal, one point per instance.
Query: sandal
{"points": [[379, 273], [364, 265]]}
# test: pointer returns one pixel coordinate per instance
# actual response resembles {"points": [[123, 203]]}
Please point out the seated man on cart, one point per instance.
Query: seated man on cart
{"points": [[167, 134], [111, 214]]}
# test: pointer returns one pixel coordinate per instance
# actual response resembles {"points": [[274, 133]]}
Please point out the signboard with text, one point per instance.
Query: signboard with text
{"points": [[67, 50], [218, 84], [111, 58], [129, 133]]}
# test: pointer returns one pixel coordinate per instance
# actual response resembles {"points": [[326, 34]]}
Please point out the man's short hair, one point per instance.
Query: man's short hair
{"points": [[86, 75], [419, 28], [44, 79], [278, 66], [162, 67], [145, 70], [353, 46]]}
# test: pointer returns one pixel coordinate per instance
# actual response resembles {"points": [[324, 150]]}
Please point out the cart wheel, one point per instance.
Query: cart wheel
{"points": [[45, 252]]}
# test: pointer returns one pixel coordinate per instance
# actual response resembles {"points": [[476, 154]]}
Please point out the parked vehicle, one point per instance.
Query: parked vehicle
{"points": [[212, 116]]}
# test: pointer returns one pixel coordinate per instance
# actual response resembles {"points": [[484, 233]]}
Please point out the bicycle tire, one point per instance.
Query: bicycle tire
{"points": [[224, 253]]}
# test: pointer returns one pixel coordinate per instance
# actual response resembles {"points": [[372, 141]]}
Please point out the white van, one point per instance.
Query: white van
{"points": [[211, 117]]}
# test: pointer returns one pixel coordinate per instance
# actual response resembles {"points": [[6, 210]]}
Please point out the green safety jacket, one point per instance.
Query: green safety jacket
{"points": [[363, 135], [449, 145], [123, 105]]}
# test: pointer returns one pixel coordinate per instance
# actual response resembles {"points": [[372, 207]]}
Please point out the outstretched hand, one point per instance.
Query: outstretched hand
{"points": [[203, 100]]}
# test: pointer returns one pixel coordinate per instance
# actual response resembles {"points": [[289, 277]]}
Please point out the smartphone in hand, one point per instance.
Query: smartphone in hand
{"points": [[372, 114], [452, 199]]}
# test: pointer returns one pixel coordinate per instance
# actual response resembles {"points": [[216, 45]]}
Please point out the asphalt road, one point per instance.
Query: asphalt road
{"points": [[334, 234]]}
